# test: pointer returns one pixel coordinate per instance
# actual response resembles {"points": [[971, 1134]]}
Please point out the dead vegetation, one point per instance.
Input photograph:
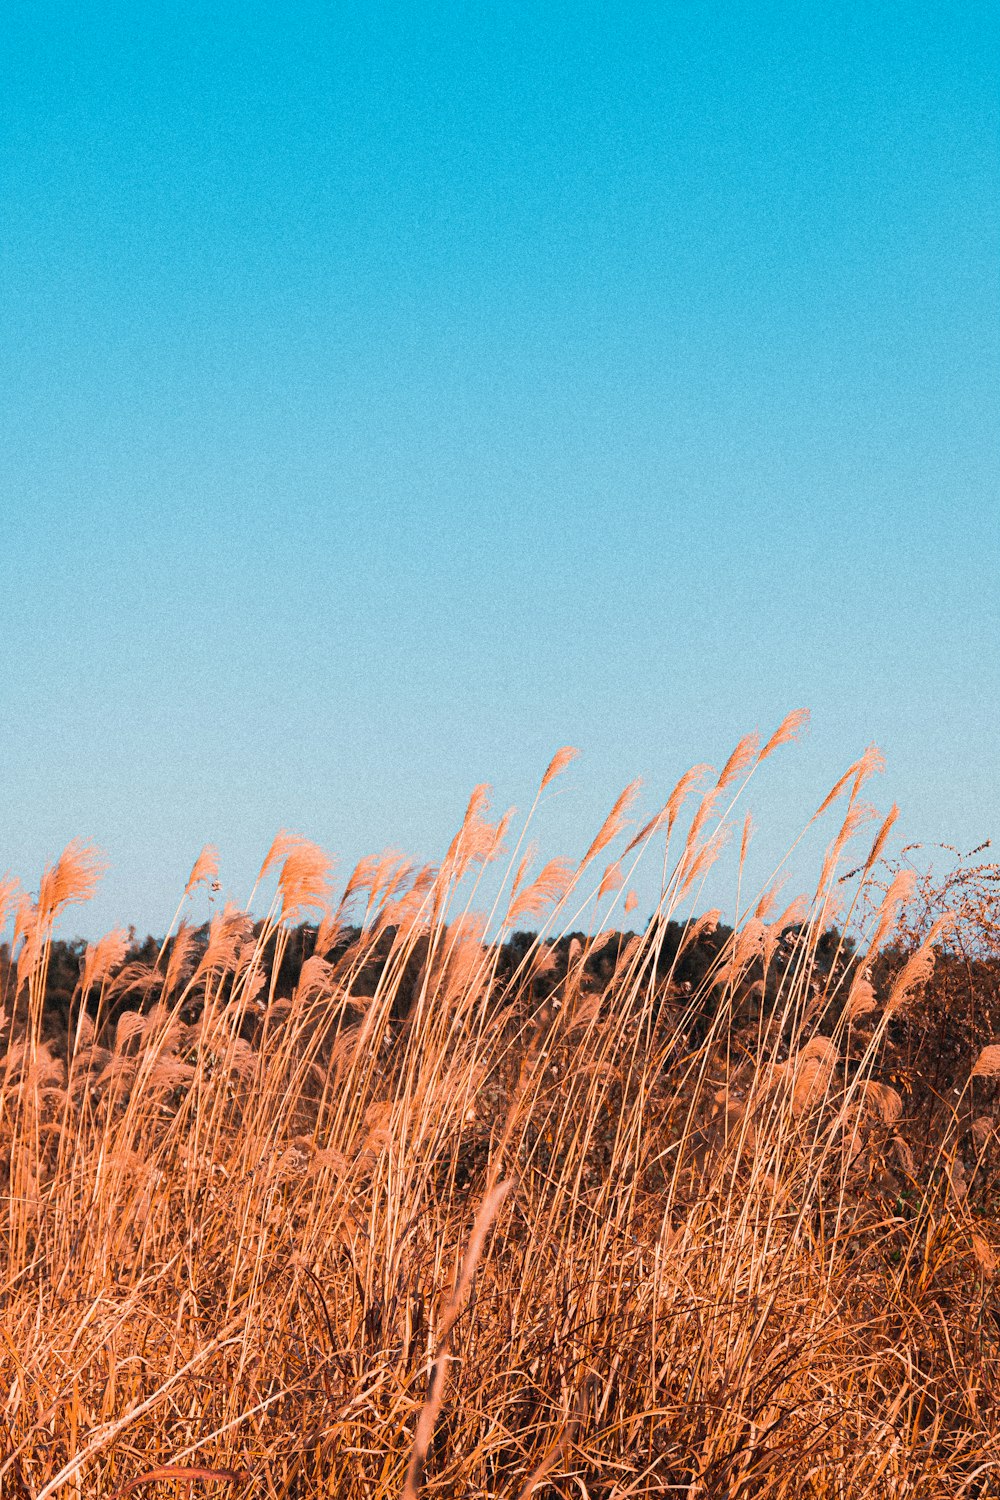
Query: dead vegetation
{"points": [[464, 1218]]}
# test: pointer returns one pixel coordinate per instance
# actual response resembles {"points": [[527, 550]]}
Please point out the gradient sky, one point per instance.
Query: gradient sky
{"points": [[393, 393]]}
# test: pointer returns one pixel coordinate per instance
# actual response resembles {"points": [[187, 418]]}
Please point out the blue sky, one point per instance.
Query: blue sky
{"points": [[394, 393]]}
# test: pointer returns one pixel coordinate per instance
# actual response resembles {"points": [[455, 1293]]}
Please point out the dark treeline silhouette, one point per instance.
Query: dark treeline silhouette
{"points": [[686, 963], [929, 1046]]}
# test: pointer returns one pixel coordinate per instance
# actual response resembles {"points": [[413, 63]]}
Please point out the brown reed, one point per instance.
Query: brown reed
{"points": [[386, 1208]]}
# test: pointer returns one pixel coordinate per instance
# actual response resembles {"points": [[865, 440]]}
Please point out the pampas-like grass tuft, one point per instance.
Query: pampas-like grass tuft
{"points": [[629, 1215]]}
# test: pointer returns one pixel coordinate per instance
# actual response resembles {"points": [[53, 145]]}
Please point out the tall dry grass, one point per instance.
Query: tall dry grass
{"points": [[441, 1223]]}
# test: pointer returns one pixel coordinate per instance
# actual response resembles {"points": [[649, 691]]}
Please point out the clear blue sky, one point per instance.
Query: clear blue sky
{"points": [[393, 393]]}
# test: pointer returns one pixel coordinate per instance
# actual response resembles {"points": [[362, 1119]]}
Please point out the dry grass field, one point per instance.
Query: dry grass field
{"points": [[461, 1217]]}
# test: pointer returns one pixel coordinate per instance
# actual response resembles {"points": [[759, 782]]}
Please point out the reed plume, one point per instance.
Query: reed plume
{"points": [[549, 885], [72, 879], [204, 871], [558, 764], [791, 727], [103, 958]]}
